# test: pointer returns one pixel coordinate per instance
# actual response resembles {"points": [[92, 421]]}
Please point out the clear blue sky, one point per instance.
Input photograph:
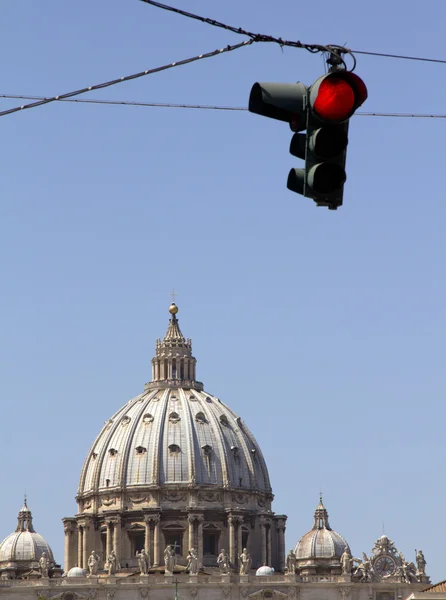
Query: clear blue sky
{"points": [[323, 330]]}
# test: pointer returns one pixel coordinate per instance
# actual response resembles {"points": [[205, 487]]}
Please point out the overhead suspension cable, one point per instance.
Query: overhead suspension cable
{"points": [[206, 106], [259, 37], [100, 86]]}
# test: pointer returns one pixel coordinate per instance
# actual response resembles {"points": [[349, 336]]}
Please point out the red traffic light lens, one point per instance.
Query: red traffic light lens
{"points": [[335, 99]]}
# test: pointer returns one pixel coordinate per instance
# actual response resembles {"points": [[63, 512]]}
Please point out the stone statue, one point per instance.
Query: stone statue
{"points": [[223, 562], [192, 562], [93, 563], [112, 563], [421, 563], [364, 568], [407, 572], [245, 562], [144, 562], [170, 559], [346, 562], [44, 565], [291, 562]]}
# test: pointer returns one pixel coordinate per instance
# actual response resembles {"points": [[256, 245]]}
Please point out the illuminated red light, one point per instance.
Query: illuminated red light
{"points": [[335, 99]]}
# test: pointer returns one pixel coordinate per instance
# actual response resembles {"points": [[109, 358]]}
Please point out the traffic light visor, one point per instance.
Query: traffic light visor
{"points": [[281, 101], [336, 96]]}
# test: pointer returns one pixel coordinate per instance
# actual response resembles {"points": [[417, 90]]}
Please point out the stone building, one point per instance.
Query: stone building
{"points": [[174, 477], [175, 466]]}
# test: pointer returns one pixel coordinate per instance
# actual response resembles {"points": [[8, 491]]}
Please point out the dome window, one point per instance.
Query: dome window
{"points": [[125, 421], [224, 420], [253, 451], [113, 452], [192, 398], [201, 418], [235, 452], [140, 450], [174, 449], [147, 419], [155, 399], [174, 417], [208, 399], [207, 449], [94, 456]]}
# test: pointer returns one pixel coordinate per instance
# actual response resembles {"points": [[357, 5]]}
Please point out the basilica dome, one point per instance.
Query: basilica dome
{"points": [[174, 433], [174, 465], [21, 551], [320, 550]]}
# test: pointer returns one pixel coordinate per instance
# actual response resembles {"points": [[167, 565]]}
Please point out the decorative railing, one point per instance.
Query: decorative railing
{"points": [[176, 383]]}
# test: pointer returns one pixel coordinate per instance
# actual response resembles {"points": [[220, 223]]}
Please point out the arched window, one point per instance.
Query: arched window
{"points": [[200, 417], [174, 417]]}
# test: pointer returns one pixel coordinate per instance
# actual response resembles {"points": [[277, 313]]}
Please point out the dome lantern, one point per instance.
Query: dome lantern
{"points": [[173, 363]]}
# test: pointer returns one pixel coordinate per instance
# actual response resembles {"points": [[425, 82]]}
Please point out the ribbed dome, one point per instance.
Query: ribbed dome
{"points": [[321, 541], [174, 467], [174, 433], [24, 545], [176, 436]]}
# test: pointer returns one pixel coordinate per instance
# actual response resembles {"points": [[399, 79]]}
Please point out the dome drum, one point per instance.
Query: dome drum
{"points": [[174, 466]]}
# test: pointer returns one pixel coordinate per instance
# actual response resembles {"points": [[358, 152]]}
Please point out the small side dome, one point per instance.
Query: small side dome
{"points": [[265, 571], [21, 551], [321, 546], [76, 572]]}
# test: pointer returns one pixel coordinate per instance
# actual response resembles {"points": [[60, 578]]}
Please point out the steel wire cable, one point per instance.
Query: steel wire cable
{"points": [[206, 106], [259, 37], [106, 84]]}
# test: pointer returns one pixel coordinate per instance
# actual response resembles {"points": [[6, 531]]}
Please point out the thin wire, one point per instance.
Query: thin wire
{"points": [[401, 56], [258, 37], [128, 103], [126, 78], [207, 106]]}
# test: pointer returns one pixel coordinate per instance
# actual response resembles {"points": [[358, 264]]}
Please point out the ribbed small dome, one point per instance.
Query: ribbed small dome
{"points": [[321, 541], [24, 547]]}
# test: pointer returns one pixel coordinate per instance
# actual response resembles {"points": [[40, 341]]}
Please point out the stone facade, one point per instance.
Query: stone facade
{"points": [[176, 468], [205, 587]]}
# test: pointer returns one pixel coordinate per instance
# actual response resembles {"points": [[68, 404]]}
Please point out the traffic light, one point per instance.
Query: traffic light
{"points": [[323, 110]]}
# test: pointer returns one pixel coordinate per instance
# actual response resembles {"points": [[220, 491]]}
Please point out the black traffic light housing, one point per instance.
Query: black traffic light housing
{"points": [[323, 110]]}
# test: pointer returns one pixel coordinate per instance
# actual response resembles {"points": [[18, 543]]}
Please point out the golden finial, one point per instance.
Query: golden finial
{"points": [[173, 309]]}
